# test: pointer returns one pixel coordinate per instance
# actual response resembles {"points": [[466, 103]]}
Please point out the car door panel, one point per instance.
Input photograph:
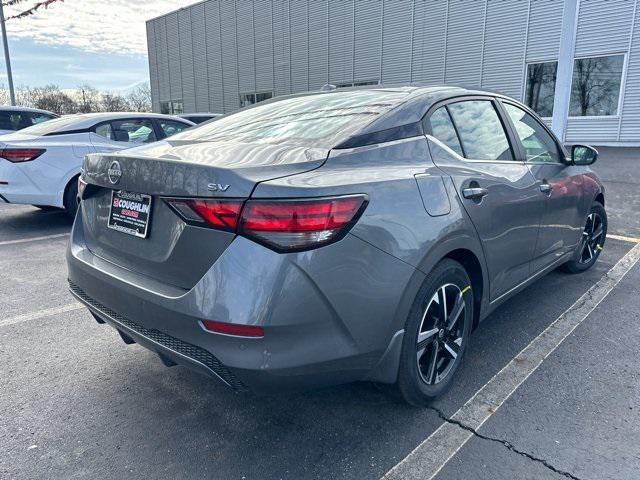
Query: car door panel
{"points": [[560, 186], [562, 220], [506, 218]]}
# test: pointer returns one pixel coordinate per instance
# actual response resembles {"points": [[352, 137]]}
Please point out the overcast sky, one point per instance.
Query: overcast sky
{"points": [[99, 42]]}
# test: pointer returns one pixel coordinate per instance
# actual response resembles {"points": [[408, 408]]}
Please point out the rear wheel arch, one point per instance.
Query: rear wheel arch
{"points": [[600, 198], [472, 265], [71, 184]]}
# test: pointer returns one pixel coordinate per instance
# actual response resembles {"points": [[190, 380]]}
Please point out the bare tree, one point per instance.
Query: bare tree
{"points": [[53, 99], [88, 99], [113, 102], [140, 98], [29, 11]]}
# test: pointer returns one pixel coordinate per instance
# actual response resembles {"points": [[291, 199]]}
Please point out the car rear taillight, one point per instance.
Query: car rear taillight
{"points": [[17, 155], [288, 225], [282, 225], [220, 214]]}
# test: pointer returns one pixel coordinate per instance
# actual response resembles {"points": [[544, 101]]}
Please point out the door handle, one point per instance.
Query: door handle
{"points": [[475, 193], [545, 187]]}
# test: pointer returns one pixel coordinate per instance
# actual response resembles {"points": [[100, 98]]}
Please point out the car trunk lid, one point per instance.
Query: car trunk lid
{"points": [[175, 252]]}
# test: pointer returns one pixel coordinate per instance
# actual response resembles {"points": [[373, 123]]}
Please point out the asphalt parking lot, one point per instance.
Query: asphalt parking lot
{"points": [[76, 402]]}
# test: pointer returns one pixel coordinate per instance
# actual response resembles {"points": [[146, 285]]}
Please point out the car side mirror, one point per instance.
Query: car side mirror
{"points": [[583, 155]]}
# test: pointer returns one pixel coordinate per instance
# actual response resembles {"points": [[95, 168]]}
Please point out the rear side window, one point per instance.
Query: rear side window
{"points": [[481, 131], [132, 131], [442, 128]]}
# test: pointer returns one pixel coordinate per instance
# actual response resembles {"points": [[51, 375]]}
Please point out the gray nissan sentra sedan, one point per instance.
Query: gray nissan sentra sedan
{"points": [[332, 237]]}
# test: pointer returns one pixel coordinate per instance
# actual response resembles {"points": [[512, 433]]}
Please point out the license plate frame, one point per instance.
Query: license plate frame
{"points": [[130, 223]]}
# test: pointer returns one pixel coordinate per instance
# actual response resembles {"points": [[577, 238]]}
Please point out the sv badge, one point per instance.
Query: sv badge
{"points": [[217, 187]]}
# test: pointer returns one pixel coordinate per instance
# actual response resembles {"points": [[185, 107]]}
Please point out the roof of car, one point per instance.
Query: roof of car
{"points": [[10, 108]]}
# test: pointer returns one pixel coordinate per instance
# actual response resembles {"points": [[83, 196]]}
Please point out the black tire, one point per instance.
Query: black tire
{"points": [[593, 238], [71, 198], [419, 385]]}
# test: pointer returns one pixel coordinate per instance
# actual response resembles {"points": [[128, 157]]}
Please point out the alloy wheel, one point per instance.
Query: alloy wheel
{"points": [[592, 238], [441, 334]]}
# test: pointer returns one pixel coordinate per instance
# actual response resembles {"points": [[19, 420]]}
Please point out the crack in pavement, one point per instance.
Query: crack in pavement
{"points": [[504, 443]]}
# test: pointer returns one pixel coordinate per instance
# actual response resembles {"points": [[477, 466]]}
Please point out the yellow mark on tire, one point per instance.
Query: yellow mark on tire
{"points": [[465, 289]]}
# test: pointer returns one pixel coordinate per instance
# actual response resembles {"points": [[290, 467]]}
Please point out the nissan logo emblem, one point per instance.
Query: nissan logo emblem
{"points": [[114, 173]]}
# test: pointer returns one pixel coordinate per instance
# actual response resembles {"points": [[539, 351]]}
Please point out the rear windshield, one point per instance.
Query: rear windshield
{"points": [[321, 120], [51, 126]]}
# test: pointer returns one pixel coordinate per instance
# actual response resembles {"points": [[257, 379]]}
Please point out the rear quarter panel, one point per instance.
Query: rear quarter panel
{"points": [[395, 221]]}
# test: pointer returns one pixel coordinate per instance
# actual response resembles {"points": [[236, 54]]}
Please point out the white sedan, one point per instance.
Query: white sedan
{"points": [[39, 165]]}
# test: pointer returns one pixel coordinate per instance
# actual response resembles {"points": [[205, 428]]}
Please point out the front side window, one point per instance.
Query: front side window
{"points": [[442, 128], [538, 144], [169, 127], [133, 131], [595, 89], [541, 87], [480, 130]]}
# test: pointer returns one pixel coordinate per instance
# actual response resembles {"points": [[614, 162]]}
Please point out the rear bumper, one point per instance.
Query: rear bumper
{"points": [[323, 326]]}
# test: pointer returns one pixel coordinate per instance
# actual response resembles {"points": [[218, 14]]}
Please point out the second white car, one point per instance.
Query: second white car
{"points": [[39, 165]]}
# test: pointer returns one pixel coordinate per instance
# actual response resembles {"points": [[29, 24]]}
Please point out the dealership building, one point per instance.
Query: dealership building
{"points": [[576, 62]]}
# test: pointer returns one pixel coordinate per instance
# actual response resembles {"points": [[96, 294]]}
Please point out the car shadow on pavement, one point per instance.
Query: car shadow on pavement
{"points": [[18, 222]]}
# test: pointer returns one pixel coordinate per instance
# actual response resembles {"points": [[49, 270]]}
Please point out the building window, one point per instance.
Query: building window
{"points": [[247, 99], [357, 84], [172, 107], [541, 87], [595, 88]]}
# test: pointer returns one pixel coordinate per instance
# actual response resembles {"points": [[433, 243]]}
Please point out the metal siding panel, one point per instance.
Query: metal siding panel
{"points": [[281, 47], [246, 57], [299, 46], [200, 58], [214, 56], [603, 26], [229, 55], [630, 125], [367, 40], [153, 67], [592, 130], [504, 46], [341, 41], [464, 43], [429, 27], [173, 53], [396, 41], [264, 45], [186, 61], [318, 39], [545, 26], [164, 90]]}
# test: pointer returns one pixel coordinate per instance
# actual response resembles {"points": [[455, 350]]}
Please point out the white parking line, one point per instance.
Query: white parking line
{"points": [[34, 239], [47, 312], [428, 458], [624, 238]]}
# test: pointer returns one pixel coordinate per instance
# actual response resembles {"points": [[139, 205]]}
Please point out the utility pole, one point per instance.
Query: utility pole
{"points": [[12, 93]]}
